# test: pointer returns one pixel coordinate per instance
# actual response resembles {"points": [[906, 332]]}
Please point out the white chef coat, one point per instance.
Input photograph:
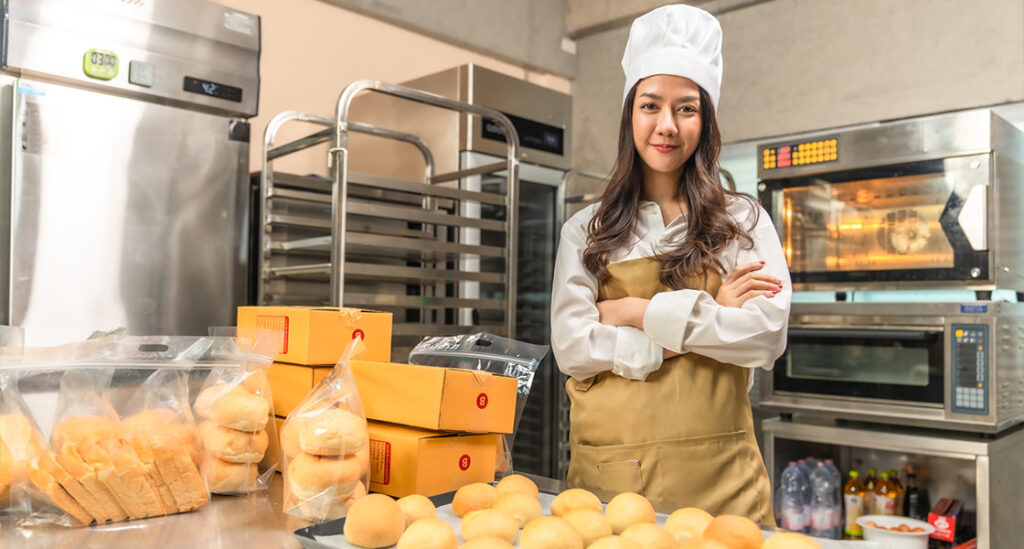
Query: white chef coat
{"points": [[750, 336]]}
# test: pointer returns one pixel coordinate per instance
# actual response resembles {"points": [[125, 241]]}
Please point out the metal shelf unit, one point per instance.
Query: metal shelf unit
{"points": [[407, 247]]}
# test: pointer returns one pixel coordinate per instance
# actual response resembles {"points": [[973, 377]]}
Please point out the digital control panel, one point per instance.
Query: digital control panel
{"points": [[213, 89], [969, 368], [818, 151]]}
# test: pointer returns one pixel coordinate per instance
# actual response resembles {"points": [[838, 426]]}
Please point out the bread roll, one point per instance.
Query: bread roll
{"points": [[311, 476], [203, 405], [489, 542], [333, 432], [324, 507], [688, 523], [6, 475], [374, 521], [790, 540], [230, 478], [614, 542], [242, 411], [549, 533], [735, 532], [574, 498], [290, 437], [518, 483], [650, 536], [489, 523], [416, 507], [473, 497], [627, 509], [589, 524], [428, 533], [520, 506], [231, 445]]}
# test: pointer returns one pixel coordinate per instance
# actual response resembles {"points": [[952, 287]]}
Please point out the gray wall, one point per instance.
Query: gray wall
{"points": [[524, 32], [800, 65]]}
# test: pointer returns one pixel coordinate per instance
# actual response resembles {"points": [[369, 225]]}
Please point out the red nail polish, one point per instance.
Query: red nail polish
{"points": [[762, 263]]}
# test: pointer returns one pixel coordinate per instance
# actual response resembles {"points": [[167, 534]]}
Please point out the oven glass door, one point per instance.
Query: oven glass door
{"points": [[917, 221], [893, 364]]}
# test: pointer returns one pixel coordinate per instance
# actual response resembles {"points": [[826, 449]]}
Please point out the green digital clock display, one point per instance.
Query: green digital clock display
{"points": [[100, 64]]}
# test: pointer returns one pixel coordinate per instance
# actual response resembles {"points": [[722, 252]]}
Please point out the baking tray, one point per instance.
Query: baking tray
{"points": [[329, 535]]}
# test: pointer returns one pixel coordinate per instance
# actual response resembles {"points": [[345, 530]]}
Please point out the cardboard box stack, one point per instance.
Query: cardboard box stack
{"points": [[313, 341], [432, 430]]}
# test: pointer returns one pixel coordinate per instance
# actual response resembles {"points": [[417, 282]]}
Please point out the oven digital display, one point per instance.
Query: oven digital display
{"points": [[804, 153]]}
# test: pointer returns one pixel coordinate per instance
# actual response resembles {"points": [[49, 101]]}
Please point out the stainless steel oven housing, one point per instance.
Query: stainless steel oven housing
{"points": [[975, 159], [973, 354]]}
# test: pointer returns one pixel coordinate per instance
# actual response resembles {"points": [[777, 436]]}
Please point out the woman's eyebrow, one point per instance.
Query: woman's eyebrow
{"points": [[654, 96]]}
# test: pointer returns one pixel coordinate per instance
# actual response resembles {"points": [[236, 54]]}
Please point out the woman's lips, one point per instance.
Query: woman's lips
{"points": [[665, 148]]}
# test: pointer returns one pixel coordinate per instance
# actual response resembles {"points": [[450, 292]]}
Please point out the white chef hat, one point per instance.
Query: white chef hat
{"points": [[675, 39]]}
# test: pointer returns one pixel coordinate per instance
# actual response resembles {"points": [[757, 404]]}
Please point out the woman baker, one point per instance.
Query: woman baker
{"points": [[670, 292]]}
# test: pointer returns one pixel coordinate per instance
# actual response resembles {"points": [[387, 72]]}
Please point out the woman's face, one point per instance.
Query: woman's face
{"points": [[666, 122]]}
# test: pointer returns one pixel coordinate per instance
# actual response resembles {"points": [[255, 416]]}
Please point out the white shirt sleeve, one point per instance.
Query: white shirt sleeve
{"points": [[751, 336], [583, 347]]}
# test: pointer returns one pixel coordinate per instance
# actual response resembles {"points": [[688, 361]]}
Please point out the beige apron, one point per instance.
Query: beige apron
{"points": [[685, 436]]}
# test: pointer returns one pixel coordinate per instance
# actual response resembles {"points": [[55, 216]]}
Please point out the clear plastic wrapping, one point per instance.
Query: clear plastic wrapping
{"points": [[125, 443], [325, 447], [488, 353]]}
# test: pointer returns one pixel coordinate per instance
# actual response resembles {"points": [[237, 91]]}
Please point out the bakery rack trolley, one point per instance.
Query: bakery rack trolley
{"points": [[386, 243]]}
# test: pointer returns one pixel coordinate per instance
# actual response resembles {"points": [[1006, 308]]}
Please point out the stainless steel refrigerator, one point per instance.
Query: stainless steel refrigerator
{"points": [[124, 165]]}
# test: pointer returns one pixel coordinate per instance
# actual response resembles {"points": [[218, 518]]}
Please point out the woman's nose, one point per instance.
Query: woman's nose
{"points": [[666, 123]]}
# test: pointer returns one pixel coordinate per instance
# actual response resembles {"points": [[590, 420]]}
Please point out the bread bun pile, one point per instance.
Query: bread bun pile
{"points": [[105, 470], [327, 456], [233, 430]]}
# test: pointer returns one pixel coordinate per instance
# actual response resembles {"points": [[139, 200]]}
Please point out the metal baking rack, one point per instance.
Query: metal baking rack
{"points": [[409, 247]]}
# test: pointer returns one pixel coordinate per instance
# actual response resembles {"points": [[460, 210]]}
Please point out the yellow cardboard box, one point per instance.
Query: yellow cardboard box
{"points": [[445, 399], [405, 461], [290, 383], [318, 335]]}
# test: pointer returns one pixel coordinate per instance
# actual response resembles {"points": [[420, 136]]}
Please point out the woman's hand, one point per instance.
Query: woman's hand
{"points": [[746, 283], [627, 311]]}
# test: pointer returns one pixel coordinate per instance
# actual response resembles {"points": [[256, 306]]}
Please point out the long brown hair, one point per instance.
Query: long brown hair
{"points": [[710, 227]]}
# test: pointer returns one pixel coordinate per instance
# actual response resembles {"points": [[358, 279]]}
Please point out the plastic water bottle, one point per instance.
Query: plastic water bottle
{"points": [[822, 502], [794, 498], [837, 498], [807, 466]]}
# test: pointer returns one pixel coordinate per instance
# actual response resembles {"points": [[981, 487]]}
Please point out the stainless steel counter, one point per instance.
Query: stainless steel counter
{"points": [[227, 522]]}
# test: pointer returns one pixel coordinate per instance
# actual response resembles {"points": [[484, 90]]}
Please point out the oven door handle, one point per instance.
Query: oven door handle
{"points": [[843, 333]]}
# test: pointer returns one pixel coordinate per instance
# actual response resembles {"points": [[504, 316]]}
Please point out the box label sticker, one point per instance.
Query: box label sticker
{"points": [[481, 401], [380, 461], [277, 323], [358, 333], [464, 462]]}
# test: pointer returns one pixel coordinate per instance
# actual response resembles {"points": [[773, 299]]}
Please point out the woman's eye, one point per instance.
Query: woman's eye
{"points": [[647, 107], [689, 109]]}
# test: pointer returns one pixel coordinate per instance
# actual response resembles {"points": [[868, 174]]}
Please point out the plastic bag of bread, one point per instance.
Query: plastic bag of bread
{"points": [[137, 463], [497, 355], [34, 489], [234, 408], [325, 446]]}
